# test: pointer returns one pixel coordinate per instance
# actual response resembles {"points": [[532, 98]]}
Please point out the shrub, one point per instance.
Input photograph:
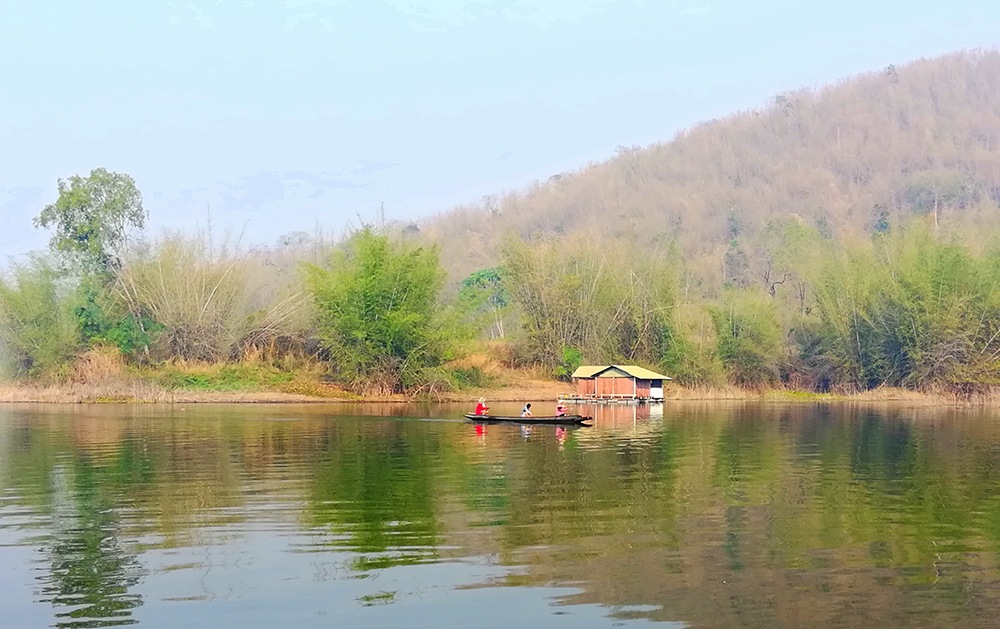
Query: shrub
{"points": [[212, 303], [377, 305], [37, 330]]}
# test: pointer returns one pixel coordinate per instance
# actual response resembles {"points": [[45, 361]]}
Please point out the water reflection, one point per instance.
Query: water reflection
{"points": [[91, 572], [703, 514]]}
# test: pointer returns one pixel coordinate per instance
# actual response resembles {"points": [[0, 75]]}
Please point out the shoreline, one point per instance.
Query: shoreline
{"points": [[142, 392]]}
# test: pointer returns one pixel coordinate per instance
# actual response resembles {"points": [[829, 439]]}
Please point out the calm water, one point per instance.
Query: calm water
{"points": [[388, 516]]}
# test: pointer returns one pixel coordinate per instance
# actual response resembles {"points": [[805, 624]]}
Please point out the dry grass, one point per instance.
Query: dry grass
{"points": [[139, 391], [315, 389], [520, 390], [101, 375], [726, 392], [484, 362], [888, 395], [125, 390], [505, 382], [97, 365]]}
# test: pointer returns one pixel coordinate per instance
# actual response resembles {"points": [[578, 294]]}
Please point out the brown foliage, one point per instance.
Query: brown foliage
{"points": [[97, 365], [924, 137]]}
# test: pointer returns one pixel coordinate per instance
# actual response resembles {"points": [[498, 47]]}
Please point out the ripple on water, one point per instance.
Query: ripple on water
{"points": [[719, 517]]}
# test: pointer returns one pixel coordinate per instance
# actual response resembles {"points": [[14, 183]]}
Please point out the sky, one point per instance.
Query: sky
{"points": [[267, 117]]}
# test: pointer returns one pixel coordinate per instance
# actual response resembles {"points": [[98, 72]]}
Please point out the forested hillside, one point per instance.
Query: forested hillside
{"points": [[900, 142], [842, 239]]}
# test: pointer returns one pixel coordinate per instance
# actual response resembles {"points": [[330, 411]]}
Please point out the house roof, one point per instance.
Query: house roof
{"points": [[592, 371]]}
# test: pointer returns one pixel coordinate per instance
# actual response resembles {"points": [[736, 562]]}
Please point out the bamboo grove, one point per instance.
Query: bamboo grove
{"points": [[905, 308]]}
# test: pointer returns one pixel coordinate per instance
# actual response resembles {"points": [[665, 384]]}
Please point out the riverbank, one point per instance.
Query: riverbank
{"points": [[140, 391], [144, 391], [100, 376]]}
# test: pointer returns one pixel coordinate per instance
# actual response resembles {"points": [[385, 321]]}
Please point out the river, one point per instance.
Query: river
{"points": [[688, 515]]}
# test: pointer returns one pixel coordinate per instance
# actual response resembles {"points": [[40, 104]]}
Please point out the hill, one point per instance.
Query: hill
{"points": [[923, 138], [842, 239]]}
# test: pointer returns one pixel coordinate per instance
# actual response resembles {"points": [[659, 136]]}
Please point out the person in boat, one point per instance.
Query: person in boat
{"points": [[560, 410], [526, 411], [481, 408]]}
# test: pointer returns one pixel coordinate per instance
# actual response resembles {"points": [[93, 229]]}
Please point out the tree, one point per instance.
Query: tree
{"points": [[735, 265], [928, 192], [485, 288], [377, 308], [92, 218]]}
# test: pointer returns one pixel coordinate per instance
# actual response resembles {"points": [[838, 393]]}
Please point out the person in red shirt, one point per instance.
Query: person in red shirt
{"points": [[481, 408]]}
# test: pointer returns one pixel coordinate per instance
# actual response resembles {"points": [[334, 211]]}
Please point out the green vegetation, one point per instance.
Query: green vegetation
{"points": [[238, 377], [36, 326], [378, 313], [599, 302], [835, 241], [749, 337], [379, 598], [483, 294], [92, 218]]}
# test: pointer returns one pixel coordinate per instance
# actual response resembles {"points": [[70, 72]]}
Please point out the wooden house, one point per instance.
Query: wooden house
{"points": [[618, 382]]}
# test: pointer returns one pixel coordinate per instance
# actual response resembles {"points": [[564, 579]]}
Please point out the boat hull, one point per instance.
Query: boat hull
{"points": [[541, 419]]}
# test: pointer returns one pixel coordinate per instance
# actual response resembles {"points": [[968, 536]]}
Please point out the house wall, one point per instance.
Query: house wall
{"points": [[614, 387], [619, 387], [642, 388]]}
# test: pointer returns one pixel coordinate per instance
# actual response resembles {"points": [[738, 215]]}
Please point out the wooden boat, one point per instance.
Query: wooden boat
{"points": [[537, 419]]}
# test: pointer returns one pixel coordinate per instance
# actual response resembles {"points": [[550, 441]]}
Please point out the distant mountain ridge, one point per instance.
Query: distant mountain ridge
{"points": [[923, 138]]}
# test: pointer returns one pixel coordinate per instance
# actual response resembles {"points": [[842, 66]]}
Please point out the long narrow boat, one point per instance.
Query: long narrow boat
{"points": [[537, 419]]}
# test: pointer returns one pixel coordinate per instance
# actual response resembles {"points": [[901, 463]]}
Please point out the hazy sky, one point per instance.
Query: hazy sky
{"points": [[283, 114]]}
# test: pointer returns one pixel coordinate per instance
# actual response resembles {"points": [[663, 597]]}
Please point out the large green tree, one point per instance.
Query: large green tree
{"points": [[377, 306], [91, 222], [92, 218]]}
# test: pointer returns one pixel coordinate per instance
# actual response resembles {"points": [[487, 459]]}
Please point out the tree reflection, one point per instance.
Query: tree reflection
{"points": [[373, 486], [719, 516], [91, 570]]}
